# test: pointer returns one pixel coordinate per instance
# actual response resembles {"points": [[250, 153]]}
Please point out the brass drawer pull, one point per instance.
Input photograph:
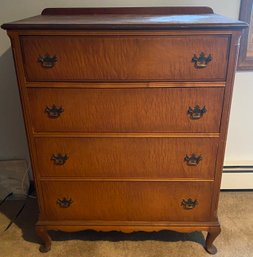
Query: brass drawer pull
{"points": [[201, 61], [54, 111], [189, 204], [64, 202], [47, 61], [193, 160], [59, 159], [196, 112]]}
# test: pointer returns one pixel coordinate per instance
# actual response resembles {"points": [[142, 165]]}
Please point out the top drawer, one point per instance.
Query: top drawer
{"points": [[125, 58]]}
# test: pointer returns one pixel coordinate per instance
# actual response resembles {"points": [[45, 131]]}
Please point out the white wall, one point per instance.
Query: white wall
{"points": [[12, 135]]}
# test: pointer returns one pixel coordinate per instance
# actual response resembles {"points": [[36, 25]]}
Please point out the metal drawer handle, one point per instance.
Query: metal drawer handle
{"points": [[47, 61], [189, 204], [59, 159], [193, 160], [196, 112], [201, 61], [54, 111], [64, 202]]}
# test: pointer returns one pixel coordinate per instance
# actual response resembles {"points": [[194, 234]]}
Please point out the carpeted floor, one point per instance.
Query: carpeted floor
{"points": [[236, 239]]}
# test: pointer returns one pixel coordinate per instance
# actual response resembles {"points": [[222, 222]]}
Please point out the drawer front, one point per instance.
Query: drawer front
{"points": [[127, 58], [127, 157], [126, 110], [126, 201]]}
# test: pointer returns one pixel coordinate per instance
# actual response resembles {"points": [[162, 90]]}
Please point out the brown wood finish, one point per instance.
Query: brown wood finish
{"points": [[152, 158], [235, 44], [42, 233], [130, 58], [43, 228], [129, 10], [212, 234], [157, 32], [143, 101], [132, 18], [125, 135], [121, 201], [124, 85], [126, 110]]}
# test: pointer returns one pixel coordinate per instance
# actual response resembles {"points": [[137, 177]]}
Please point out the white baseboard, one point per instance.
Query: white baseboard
{"points": [[237, 181], [237, 176]]}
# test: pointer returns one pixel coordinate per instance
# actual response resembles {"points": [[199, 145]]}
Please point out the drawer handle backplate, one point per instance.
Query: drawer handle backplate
{"points": [[59, 159], [201, 61], [64, 202], [47, 61], [189, 204], [54, 111], [193, 160], [196, 112]]}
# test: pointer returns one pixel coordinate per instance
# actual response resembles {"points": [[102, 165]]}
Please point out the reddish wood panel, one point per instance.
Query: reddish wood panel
{"points": [[128, 19], [126, 157], [126, 110], [126, 58], [126, 201], [172, 10]]}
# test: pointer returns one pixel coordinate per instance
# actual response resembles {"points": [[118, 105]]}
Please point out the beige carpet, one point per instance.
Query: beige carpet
{"points": [[236, 239]]}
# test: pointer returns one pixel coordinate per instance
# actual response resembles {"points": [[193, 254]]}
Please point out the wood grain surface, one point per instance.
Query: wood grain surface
{"points": [[126, 110], [132, 201], [127, 58], [125, 83], [145, 18], [149, 158], [172, 10]]}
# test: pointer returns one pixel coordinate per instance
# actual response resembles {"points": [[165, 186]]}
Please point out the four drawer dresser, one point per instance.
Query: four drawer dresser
{"points": [[126, 113]]}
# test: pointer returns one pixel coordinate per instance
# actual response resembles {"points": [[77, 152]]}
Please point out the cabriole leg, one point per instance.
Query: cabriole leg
{"points": [[44, 236], [211, 236]]}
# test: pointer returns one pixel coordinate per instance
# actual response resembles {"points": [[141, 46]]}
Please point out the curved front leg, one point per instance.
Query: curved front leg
{"points": [[211, 236], [44, 236]]}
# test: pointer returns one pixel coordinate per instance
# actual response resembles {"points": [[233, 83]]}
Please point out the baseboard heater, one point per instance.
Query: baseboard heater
{"points": [[237, 176]]}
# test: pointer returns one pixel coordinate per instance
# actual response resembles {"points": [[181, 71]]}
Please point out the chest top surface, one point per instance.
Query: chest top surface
{"points": [[127, 18]]}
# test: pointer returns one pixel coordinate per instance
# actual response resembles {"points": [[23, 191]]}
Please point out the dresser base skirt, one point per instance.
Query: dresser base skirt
{"points": [[42, 228]]}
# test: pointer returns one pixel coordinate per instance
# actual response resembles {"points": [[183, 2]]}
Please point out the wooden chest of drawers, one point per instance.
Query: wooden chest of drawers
{"points": [[126, 114]]}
